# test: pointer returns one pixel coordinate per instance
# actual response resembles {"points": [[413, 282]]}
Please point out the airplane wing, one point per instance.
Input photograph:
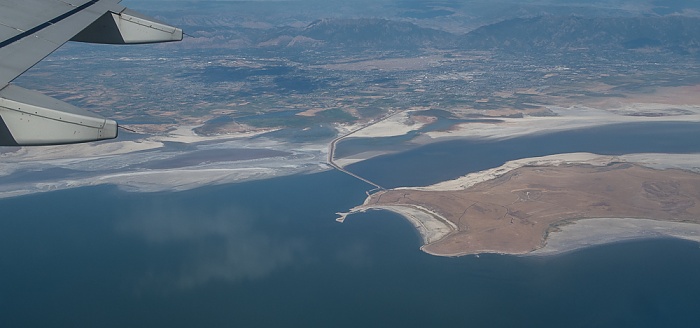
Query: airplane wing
{"points": [[31, 30]]}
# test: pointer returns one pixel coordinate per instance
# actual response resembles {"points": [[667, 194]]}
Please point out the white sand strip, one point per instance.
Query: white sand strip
{"points": [[590, 232], [430, 225], [472, 179], [571, 118], [688, 162]]}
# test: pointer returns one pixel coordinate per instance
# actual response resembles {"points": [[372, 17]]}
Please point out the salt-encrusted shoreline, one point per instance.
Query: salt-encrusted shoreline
{"points": [[129, 164], [106, 159], [687, 162], [571, 118], [565, 118], [471, 179], [584, 233], [430, 225]]}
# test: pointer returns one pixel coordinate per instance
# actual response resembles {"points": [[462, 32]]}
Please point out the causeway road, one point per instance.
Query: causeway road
{"points": [[334, 143]]}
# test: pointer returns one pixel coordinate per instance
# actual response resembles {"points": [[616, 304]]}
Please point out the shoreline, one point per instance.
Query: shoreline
{"points": [[565, 118], [572, 236], [659, 161], [590, 232], [559, 237], [131, 165], [430, 226], [131, 156], [568, 118]]}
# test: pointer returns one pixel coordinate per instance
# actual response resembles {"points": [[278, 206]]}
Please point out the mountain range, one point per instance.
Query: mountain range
{"points": [[680, 34]]}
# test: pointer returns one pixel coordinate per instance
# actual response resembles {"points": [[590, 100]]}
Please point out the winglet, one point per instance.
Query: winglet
{"points": [[128, 27]]}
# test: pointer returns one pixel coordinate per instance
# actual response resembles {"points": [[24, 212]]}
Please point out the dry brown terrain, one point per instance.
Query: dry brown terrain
{"points": [[513, 213]]}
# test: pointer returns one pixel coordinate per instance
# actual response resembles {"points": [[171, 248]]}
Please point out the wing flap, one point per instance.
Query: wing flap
{"points": [[31, 118]]}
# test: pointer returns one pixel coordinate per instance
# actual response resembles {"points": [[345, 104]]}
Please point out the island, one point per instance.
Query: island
{"points": [[551, 204]]}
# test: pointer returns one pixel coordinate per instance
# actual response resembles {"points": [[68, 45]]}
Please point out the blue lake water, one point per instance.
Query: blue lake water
{"points": [[451, 159], [269, 254]]}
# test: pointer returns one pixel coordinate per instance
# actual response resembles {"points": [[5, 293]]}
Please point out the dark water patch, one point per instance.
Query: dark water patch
{"points": [[451, 159], [208, 156]]}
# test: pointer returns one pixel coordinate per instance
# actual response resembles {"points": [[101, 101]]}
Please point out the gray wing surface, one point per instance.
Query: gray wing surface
{"points": [[31, 30]]}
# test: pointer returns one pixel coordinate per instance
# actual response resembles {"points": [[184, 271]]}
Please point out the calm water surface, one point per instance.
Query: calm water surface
{"points": [[452, 159], [269, 254]]}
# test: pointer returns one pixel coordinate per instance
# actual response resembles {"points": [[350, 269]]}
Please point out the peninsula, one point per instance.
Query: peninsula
{"points": [[515, 208]]}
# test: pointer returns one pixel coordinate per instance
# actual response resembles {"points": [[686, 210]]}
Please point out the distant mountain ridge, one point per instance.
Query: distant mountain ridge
{"points": [[373, 32], [676, 33], [542, 33]]}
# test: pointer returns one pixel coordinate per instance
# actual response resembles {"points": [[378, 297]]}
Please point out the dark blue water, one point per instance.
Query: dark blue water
{"points": [[269, 254], [451, 159]]}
